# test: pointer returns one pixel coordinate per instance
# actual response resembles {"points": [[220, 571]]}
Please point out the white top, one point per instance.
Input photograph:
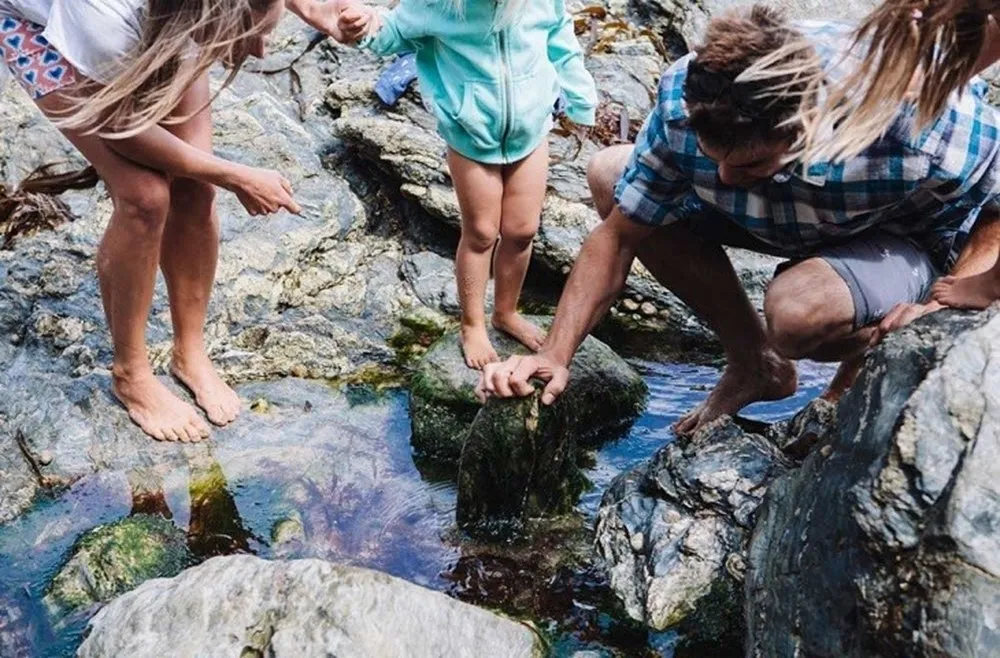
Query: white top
{"points": [[94, 35]]}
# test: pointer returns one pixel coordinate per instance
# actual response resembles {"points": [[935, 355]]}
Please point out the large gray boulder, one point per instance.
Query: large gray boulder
{"points": [[887, 543], [673, 532], [245, 606]]}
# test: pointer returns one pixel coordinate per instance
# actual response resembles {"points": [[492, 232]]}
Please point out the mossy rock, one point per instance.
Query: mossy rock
{"points": [[113, 559], [519, 462], [605, 394]]}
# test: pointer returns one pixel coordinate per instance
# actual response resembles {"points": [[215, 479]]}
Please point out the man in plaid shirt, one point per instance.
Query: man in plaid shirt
{"points": [[865, 238]]}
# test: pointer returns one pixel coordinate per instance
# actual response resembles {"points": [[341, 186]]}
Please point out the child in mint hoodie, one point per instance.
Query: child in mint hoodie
{"points": [[492, 72]]}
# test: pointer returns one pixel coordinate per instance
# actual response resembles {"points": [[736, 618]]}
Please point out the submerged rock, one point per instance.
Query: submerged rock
{"points": [[245, 606], [113, 559], [604, 397], [519, 461], [887, 542], [674, 531]]}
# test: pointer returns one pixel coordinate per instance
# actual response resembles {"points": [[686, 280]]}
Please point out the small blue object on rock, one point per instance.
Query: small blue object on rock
{"points": [[396, 79]]}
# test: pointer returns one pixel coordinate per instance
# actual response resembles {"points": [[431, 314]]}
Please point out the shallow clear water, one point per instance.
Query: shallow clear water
{"points": [[343, 470]]}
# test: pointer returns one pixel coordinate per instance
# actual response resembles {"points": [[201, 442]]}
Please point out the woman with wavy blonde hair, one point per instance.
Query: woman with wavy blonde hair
{"points": [[126, 81], [919, 52]]}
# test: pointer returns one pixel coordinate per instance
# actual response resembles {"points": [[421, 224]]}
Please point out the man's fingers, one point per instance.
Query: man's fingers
{"points": [[555, 387], [519, 378]]}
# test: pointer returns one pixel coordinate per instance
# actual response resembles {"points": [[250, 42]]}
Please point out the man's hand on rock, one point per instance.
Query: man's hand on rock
{"points": [[512, 378], [901, 315]]}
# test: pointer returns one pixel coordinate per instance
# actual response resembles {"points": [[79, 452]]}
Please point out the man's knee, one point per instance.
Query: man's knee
{"points": [[603, 172], [805, 307]]}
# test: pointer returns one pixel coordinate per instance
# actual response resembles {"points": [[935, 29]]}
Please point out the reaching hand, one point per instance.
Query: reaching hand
{"points": [[356, 20], [902, 315], [263, 192], [512, 378]]}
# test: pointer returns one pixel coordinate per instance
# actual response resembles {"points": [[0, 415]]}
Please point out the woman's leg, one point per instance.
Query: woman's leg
{"points": [[127, 260], [523, 195], [188, 256], [480, 194]]}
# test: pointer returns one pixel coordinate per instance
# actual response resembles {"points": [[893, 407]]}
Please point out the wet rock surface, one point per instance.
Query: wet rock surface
{"points": [[887, 543], [605, 395], [244, 606], [674, 531]]}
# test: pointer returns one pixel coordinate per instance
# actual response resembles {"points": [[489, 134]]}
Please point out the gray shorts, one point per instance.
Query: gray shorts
{"points": [[880, 269]]}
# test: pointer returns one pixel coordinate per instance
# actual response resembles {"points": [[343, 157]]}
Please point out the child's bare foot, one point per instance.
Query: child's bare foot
{"points": [[477, 347], [219, 402], [517, 327], [975, 292], [157, 411]]}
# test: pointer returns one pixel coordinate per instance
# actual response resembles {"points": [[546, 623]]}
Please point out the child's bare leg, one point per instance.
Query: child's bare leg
{"points": [[480, 193], [523, 195], [976, 292]]}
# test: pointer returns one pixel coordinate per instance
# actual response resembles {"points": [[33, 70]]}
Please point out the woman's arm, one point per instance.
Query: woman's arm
{"points": [[259, 190]]}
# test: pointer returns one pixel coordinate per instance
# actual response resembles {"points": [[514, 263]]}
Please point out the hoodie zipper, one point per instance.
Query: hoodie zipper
{"points": [[506, 90]]}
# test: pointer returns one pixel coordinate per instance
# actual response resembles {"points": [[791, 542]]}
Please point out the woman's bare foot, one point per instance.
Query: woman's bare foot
{"points": [[517, 327], [973, 292], [160, 413], [774, 378], [219, 402], [477, 347]]}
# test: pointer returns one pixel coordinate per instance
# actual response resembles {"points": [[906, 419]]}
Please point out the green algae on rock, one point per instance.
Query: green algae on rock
{"points": [[519, 462], [113, 559], [605, 394]]}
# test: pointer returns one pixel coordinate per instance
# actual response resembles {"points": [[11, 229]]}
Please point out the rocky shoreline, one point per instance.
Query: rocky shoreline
{"points": [[861, 530]]}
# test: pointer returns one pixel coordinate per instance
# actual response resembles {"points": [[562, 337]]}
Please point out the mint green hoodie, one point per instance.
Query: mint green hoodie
{"points": [[493, 89]]}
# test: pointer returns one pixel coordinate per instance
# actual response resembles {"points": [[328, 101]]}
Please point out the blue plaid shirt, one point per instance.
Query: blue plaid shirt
{"points": [[931, 187]]}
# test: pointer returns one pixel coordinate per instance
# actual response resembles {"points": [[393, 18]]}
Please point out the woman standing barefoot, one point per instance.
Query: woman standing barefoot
{"points": [[127, 82]]}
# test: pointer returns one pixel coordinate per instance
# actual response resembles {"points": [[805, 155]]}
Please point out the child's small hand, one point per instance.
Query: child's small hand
{"points": [[356, 20]]}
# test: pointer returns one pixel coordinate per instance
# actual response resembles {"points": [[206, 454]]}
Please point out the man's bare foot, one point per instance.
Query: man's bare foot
{"points": [[516, 326], [477, 347], [219, 402], [160, 413], [775, 378], [974, 292]]}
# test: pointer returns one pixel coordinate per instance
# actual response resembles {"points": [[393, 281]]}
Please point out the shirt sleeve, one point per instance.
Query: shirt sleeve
{"points": [[567, 57], [653, 191], [403, 29], [95, 36]]}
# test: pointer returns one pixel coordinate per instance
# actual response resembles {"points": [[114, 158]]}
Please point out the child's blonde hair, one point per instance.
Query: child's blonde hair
{"points": [[938, 40], [181, 40]]}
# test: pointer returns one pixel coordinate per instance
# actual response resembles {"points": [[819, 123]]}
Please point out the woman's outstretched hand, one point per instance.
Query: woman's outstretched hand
{"points": [[262, 191]]}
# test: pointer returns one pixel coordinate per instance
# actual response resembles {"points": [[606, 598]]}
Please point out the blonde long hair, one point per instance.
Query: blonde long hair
{"points": [[936, 43], [181, 40]]}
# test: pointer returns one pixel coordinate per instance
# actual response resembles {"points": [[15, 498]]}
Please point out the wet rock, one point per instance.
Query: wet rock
{"points": [[887, 543], [433, 280], [519, 462], [673, 531], [682, 24], [244, 606], [605, 394], [111, 560]]}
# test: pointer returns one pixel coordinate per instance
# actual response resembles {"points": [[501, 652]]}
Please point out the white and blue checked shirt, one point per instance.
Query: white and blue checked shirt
{"points": [[930, 187]]}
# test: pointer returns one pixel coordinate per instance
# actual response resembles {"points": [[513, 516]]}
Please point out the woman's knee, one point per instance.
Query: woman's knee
{"points": [[196, 199], [143, 201]]}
